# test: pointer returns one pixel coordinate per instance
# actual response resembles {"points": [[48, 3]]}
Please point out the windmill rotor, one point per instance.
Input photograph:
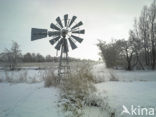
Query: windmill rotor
{"points": [[63, 29], [72, 20], [37, 33], [65, 32]]}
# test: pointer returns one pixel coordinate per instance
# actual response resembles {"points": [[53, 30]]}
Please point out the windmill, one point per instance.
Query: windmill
{"points": [[64, 33]]}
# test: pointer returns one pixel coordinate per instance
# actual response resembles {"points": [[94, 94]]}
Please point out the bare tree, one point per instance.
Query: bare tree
{"points": [[12, 55], [40, 58], [144, 33], [49, 58], [140, 49], [137, 45], [27, 57], [110, 53], [126, 50], [152, 18]]}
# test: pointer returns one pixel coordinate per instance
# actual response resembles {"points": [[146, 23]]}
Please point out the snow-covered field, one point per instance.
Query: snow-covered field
{"points": [[28, 74], [141, 94], [136, 88], [28, 100]]}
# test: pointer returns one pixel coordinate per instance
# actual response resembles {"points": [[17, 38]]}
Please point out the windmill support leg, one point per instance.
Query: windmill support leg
{"points": [[60, 63], [63, 69], [67, 64]]}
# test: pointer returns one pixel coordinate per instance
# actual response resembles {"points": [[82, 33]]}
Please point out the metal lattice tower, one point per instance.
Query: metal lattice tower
{"points": [[63, 33]]}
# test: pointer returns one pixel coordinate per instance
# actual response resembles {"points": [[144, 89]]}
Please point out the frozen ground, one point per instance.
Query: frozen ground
{"points": [[141, 94], [103, 74], [33, 100], [135, 75], [136, 88], [28, 100], [29, 74]]}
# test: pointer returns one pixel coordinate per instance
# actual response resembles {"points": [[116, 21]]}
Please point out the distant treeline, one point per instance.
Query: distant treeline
{"points": [[139, 50], [37, 57], [11, 57]]}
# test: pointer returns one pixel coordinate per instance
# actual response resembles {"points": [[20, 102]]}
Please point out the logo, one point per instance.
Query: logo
{"points": [[137, 110]]}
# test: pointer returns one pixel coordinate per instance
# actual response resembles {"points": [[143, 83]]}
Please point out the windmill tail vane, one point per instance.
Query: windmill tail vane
{"points": [[65, 33]]}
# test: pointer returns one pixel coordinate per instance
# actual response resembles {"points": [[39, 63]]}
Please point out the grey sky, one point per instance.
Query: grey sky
{"points": [[103, 19]]}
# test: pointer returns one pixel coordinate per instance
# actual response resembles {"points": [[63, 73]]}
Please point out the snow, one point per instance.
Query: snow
{"points": [[28, 100], [34, 100], [29, 74], [135, 75], [101, 73], [95, 112], [128, 93], [133, 88]]}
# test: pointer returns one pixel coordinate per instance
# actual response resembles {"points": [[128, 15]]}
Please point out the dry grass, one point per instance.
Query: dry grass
{"points": [[113, 77], [75, 90], [50, 78], [79, 82], [12, 78], [21, 77], [40, 65]]}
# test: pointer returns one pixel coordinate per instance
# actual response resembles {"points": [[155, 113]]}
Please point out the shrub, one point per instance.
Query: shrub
{"points": [[22, 77], [50, 78], [16, 78], [76, 87], [113, 77], [34, 80], [8, 78]]}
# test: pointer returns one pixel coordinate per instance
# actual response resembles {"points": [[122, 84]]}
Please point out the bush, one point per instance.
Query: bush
{"points": [[50, 78], [16, 78], [20, 77], [76, 87], [79, 82], [113, 77]]}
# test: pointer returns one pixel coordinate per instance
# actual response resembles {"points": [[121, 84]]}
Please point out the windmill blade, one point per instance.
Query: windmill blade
{"points": [[77, 25], [79, 31], [72, 44], [58, 20], [54, 33], [38, 33], [66, 46], [72, 20], [53, 26], [77, 38], [65, 19], [53, 41], [57, 47]]}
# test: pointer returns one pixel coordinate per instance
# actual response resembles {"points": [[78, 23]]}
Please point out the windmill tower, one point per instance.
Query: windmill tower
{"points": [[64, 33]]}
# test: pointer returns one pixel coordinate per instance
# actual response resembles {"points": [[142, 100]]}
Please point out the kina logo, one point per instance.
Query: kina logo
{"points": [[138, 110]]}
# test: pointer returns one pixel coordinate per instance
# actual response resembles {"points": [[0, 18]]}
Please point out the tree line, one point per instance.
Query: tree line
{"points": [[139, 50], [11, 57]]}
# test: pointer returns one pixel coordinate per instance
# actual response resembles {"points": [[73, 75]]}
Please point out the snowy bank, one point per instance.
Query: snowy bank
{"points": [[28, 100]]}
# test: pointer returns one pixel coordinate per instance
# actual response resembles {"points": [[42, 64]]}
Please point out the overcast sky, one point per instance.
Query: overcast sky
{"points": [[103, 19]]}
